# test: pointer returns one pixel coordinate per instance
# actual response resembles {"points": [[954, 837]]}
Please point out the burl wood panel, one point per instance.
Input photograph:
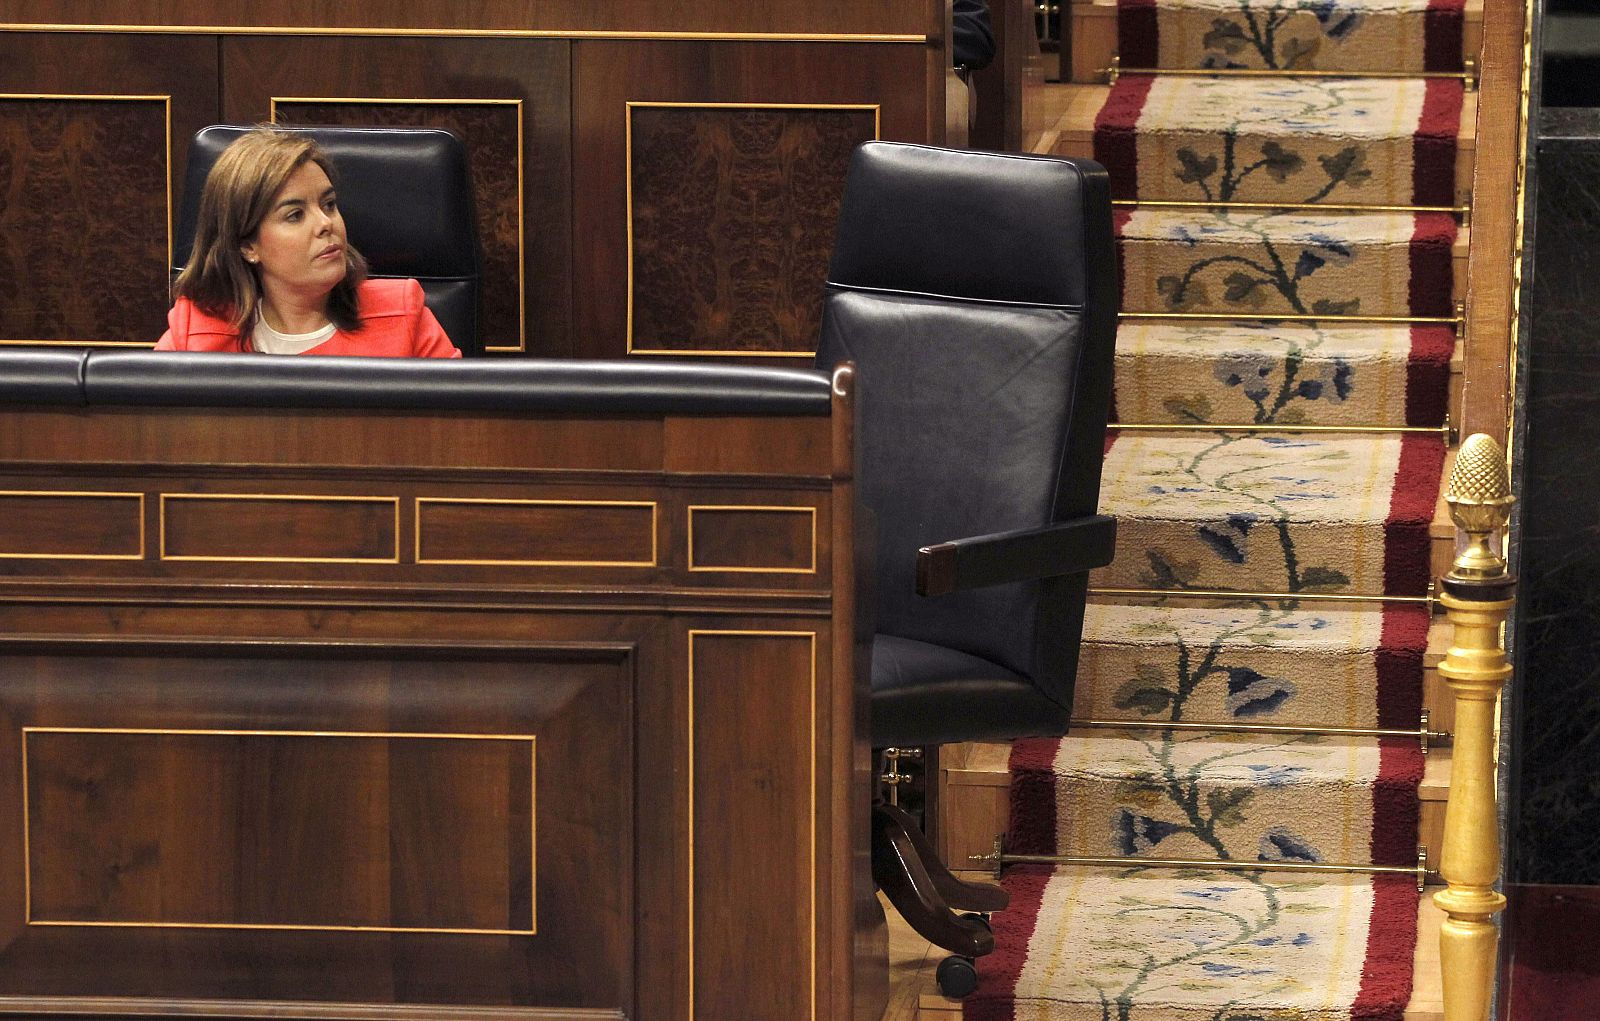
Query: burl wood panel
{"points": [[83, 219], [218, 829], [274, 528], [753, 706], [732, 223], [609, 75], [410, 832], [518, 146], [532, 532], [781, 539], [57, 524], [491, 133]]}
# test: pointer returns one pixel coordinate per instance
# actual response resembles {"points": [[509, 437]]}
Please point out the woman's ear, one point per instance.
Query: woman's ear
{"points": [[248, 250]]}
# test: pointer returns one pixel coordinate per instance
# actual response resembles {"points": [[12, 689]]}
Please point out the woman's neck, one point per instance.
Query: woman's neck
{"points": [[292, 313]]}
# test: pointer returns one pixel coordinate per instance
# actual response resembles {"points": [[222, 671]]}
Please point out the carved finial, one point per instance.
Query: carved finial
{"points": [[1479, 495]]}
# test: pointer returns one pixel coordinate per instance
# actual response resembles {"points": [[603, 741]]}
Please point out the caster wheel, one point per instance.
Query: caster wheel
{"points": [[980, 919], [957, 977]]}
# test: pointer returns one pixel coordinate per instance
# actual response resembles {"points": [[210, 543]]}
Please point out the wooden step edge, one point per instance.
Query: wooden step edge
{"points": [[1427, 984], [1442, 527]]}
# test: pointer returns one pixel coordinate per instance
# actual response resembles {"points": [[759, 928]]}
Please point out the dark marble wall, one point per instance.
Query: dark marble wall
{"points": [[1554, 711]]}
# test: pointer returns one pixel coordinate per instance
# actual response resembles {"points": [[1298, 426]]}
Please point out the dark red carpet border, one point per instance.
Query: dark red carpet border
{"points": [[1116, 137], [1433, 152], [1399, 656], [995, 998], [1442, 27], [1433, 239], [1428, 373], [1391, 946], [1407, 546], [1396, 808]]}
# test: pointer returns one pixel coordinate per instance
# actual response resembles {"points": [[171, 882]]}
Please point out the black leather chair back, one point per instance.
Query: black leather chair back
{"points": [[407, 204], [976, 293]]}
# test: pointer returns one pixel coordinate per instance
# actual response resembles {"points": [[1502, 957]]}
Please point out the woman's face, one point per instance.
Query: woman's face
{"points": [[300, 246]]}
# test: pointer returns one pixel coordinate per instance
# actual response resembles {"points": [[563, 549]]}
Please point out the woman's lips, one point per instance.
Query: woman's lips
{"points": [[330, 251]]}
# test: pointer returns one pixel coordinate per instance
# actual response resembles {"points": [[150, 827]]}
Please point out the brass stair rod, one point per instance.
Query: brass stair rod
{"points": [[1428, 738], [1446, 430], [1327, 207], [1291, 317], [1329, 597], [1000, 859]]}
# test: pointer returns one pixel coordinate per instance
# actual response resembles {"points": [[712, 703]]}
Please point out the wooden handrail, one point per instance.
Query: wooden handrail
{"points": [[1493, 278]]}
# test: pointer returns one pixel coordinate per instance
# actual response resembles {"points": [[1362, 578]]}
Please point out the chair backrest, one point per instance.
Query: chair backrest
{"points": [[407, 204], [977, 295]]}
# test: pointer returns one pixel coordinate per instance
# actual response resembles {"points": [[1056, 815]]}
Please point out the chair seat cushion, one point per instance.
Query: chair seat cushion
{"points": [[926, 694]]}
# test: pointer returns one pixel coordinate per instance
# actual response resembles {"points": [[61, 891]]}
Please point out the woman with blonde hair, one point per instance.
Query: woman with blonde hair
{"points": [[272, 270]]}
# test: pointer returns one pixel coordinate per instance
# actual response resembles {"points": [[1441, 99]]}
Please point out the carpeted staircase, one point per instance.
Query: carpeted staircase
{"points": [[1295, 513]]}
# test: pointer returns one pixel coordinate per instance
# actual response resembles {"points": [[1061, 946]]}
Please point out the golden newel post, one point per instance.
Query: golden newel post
{"points": [[1477, 596]]}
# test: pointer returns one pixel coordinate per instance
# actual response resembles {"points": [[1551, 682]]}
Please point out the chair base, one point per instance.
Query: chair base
{"points": [[925, 893]]}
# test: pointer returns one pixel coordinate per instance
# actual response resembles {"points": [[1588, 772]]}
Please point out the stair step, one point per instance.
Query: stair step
{"points": [[1217, 796], [1272, 512], [1424, 1004], [1369, 141], [1299, 665], [1262, 263], [1064, 116], [1093, 35], [974, 799], [1337, 374]]}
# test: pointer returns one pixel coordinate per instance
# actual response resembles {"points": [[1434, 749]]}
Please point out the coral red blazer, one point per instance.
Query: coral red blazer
{"points": [[394, 324]]}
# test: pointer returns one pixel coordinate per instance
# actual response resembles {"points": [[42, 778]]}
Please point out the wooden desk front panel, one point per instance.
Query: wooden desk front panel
{"points": [[326, 780]]}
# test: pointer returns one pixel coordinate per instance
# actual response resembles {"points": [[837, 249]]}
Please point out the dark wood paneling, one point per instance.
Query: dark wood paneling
{"points": [[309, 830], [147, 829], [529, 532], [732, 223], [828, 16], [753, 705], [522, 195], [753, 538], [491, 133], [60, 525], [705, 285], [279, 528], [83, 182]]}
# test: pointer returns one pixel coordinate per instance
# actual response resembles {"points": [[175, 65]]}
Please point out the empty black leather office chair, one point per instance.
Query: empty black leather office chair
{"points": [[407, 204], [977, 295]]}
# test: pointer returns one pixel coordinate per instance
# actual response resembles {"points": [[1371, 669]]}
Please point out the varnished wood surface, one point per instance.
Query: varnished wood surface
{"points": [[824, 16], [1496, 194], [744, 309], [86, 179], [305, 787]]}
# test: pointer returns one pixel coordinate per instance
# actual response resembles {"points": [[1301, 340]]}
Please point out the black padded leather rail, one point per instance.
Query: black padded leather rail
{"points": [[42, 375], [191, 379], [980, 226]]}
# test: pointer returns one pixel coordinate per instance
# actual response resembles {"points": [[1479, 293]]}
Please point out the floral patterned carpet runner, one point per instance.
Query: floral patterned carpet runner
{"points": [[1299, 513]]}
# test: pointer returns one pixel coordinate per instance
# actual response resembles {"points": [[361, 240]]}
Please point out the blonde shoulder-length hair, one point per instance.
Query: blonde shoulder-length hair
{"points": [[237, 196]]}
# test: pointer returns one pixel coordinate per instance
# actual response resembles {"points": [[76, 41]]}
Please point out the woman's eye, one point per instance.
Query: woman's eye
{"points": [[330, 205], [292, 216]]}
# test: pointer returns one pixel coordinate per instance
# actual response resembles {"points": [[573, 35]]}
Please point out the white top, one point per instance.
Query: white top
{"points": [[270, 341]]}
